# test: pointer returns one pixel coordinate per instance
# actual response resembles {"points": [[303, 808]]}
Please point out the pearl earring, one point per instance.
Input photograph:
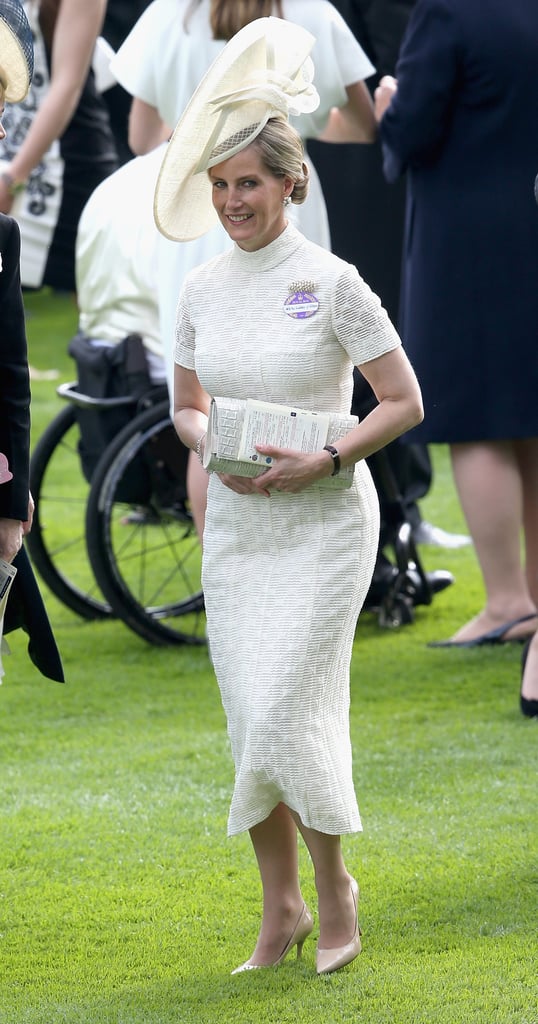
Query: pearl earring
{"points": [[286, 200]]}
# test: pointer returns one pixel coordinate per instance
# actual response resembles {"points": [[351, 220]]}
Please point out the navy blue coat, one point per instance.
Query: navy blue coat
{"points": [[464, 123], [14, 378]]}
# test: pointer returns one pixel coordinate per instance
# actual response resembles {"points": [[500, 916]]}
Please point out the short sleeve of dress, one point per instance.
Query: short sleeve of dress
{"points": [[184, 352], [160, 62], [339, 61], [360, 322], [353, 63]]}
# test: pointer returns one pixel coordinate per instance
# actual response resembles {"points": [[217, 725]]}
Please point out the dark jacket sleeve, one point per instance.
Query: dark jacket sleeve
{"points": [[414, 127], [14, 377]]}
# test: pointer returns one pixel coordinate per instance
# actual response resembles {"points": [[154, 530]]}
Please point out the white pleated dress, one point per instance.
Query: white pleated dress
{"points": [[285, 577]]}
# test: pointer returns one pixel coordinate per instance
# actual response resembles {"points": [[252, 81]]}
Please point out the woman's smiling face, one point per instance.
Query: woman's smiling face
{"points": [[249, 199]]}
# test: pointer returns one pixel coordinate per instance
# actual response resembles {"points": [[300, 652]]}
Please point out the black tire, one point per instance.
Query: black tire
{"points": [[143, 546], [396, 611], [57, 540]]}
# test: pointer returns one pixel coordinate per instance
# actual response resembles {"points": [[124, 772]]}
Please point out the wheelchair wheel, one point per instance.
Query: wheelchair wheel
{"points": [[57, 541], [141, 539]]}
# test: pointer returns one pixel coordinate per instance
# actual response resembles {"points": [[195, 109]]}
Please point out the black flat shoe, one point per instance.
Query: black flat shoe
{"points": [[493, 636], [529, 708]]}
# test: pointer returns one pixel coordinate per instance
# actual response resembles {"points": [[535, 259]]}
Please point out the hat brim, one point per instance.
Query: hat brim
{"points": [[183, 208], [14, 70]]}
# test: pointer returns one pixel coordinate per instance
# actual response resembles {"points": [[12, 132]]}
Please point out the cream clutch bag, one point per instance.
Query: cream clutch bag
{"points": [[236, 425]]}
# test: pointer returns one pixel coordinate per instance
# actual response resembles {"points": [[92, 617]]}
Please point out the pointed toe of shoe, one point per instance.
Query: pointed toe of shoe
{"points": [[329, 960], [301, 931], [247, 966]]}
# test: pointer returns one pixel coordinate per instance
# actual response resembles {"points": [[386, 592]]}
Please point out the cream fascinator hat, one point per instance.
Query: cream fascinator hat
{"points": [[264, 71], [16, 51]]}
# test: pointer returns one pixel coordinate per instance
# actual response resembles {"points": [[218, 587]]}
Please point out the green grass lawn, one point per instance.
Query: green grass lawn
{"points": [[123, 902]]}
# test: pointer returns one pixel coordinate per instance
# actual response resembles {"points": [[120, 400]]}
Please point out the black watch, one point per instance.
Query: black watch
{"points": [[335, 457]]}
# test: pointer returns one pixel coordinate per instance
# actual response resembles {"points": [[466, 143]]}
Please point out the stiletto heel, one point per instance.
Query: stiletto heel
{"points": [[301, 932], [329, 960], [528, 705]]}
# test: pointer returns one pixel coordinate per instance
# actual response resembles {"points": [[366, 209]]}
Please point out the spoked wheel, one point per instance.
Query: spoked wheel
{"points": [[140, 535], [57, 541]]}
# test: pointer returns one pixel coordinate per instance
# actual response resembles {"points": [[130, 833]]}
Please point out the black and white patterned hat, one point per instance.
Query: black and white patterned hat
{"points": [[16, 51]]}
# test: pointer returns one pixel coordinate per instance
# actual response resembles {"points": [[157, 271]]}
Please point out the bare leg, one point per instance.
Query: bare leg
{"points": [[197, 480], [488, 480], [275, 845], [337, 918], [526, 452]]}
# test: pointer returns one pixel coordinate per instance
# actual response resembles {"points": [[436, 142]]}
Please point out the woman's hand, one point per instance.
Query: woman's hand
{"points": [[10, 538], [6, 198], [240, 484], [290, 472], [386, 89]]}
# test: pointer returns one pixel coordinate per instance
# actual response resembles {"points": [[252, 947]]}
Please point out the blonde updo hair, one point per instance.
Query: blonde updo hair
{"points": [[281, 149]]}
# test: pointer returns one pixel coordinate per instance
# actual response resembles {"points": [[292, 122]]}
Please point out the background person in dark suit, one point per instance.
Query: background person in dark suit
{"points": [[14, 396], [366, 218], [462, 120], [25, 608]]}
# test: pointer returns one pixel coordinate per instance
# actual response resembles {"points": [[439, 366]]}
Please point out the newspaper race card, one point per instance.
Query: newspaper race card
{"points": [[267, 423], [7, 575]]}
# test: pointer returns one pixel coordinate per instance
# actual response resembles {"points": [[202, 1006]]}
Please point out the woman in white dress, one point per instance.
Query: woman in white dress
{"points": [[161, 63], [287, 559]]}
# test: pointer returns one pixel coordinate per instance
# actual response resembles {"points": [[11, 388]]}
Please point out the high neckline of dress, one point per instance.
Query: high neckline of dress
{"points": [[271, 255]]}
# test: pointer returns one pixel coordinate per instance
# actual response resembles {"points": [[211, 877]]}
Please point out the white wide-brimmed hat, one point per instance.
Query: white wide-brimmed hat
{"points": [[263, 71], [16, 51]]}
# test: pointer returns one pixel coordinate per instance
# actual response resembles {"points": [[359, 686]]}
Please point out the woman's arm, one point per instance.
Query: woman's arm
{"points": [[191, 406], [76, 30], [396, 388], [400, 408], [355, 122], [146, 128]]}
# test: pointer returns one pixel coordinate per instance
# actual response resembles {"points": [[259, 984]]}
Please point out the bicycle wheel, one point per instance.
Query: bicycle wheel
{"points": [[57, 541], [141, 539]]}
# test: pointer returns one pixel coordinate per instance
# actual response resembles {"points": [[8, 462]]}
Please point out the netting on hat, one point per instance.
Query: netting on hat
{"points": [[12, 13], [234, 141]]}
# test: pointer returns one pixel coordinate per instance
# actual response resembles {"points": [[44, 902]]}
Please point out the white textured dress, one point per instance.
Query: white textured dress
{"points": [[162, 61], [285, 577]]}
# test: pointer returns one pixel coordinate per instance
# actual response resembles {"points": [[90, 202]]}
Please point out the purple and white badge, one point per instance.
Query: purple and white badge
{"points": [[301, 302]]}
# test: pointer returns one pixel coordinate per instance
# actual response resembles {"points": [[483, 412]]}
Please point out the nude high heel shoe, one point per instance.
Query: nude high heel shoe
{"points": [[329, 960], [301, 932]]}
